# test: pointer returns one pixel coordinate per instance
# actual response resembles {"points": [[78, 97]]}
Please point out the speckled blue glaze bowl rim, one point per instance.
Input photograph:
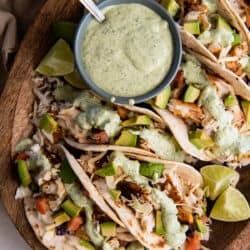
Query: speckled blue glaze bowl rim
{"points": [[177, 52]]}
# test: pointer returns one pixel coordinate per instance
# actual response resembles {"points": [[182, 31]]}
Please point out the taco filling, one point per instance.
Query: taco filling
{"points": [[59, 209], [216, 121], [208, 28]]}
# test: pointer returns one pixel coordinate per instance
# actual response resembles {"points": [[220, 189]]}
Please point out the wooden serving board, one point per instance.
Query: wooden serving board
{"points": [[16, 104]]}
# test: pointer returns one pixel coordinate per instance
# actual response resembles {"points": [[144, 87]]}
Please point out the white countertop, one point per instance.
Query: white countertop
{"points": [[9, 237]]}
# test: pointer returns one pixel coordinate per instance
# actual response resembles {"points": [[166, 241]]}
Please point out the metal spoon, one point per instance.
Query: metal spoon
{"points": [[93, 9]]}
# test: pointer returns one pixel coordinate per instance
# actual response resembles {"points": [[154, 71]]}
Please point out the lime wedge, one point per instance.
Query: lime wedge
{"points": [[75, 79], [58, 62], [231, 206], [217, 179]]}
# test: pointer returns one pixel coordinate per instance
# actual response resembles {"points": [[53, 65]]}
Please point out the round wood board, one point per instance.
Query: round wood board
{"points": [[16, 104]]}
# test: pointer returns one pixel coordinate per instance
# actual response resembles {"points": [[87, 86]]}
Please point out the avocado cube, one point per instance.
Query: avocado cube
{"points": [[222, 23], [107, 170], [23, 173], [171, 6], [138, 120], [237, 39], [159, 227], [115, 194], [246, 110], [108, 229], [86, 244], [126, 139], [70, 208], [61, 218], [200, 139], [192, 27], [150, 169], [161, 100], [230, 100], [48, 124], [191, 94]]}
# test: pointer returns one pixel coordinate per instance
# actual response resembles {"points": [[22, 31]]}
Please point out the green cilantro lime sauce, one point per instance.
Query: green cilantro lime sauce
{"points": [[162, 144], [99, 117], [245, 63], [220, 36], [130, 52], [175, 232], [226, 137], [197, 76], [82, 201], [211, 5], [130, 167], [23, 145]]}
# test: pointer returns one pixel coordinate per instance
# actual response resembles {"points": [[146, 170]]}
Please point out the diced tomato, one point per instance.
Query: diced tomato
{"points": [[22, 156], [248, 21], [100, 137], [75, 223], [122, 112], [42, 205], [193, 243]]}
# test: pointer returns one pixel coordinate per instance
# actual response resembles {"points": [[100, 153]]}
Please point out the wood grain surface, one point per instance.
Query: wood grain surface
{"points": [[16, 104]]}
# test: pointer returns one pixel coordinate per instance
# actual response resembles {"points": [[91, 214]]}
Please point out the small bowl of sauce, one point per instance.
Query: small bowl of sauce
{"points": [[133, 55]]}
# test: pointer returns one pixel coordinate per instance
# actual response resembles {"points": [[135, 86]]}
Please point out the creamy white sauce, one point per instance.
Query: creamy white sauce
{"points": [[175, 232], [129, 53], [162, 144]]}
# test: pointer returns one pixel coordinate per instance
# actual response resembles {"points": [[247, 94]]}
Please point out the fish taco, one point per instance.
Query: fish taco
{"points": [[209, 28], [64, 213], [207, 118], [157, 202]]}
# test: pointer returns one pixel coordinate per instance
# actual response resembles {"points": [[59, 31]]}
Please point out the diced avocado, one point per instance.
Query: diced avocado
{"points": [[138, 120], [70, 208], [65, 30], [126, 139], [230, 100], [75, 80], [246, 110], [150, 169], [237, 39], [200, 139], [66, 173], [86, 244], [23, 173], [115, 194], [222, 23], [191, 94], [107, 170], [59, 61], [159, 227], [161, 100], [200, 226], [171, 6], [108, 229], [59, 219], [192, 27], [48, 124]]}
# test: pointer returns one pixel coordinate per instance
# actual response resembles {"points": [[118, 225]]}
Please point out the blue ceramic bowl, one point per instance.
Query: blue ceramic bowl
{"points": [[152, 4]]}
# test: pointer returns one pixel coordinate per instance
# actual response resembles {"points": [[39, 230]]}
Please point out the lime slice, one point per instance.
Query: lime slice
{"points": [[65, 30], [231, 206], [75, 80], [218, 178], [58, 62]]}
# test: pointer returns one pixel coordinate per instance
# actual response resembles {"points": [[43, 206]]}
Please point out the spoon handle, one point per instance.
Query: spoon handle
{"points": [[93, 9]]}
